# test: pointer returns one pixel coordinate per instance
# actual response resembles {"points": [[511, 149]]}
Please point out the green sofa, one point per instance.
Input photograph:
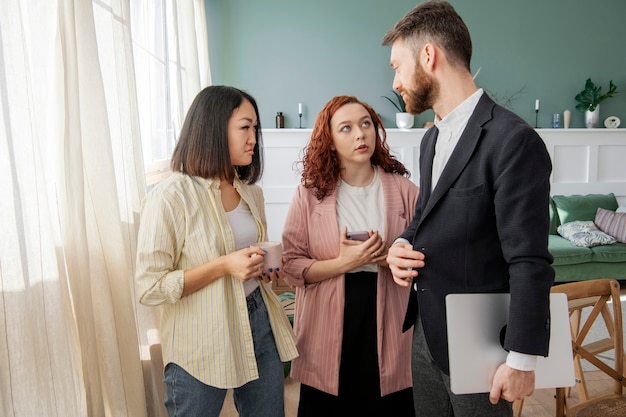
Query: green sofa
{"points": [[575, 263]]}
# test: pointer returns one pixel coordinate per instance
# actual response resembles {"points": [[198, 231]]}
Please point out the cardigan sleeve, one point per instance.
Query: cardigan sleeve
{"points": [[295, 239]]}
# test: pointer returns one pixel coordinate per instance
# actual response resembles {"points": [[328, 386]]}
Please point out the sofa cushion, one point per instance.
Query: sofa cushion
{"points": [[566, 253], [609, 253], [589, 270], [612, 223], [584, 233], [554, 218], [582, 207]]}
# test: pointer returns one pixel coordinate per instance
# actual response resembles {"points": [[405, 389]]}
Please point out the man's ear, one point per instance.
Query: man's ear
{"points": [[429, 56]]}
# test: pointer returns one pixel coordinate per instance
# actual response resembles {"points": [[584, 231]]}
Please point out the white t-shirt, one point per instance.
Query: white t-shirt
{"points": [[361, 208]]}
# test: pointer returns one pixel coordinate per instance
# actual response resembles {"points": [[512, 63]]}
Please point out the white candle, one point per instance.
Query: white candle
{"points": [[567, 116], [299, 108], [536, 105]]}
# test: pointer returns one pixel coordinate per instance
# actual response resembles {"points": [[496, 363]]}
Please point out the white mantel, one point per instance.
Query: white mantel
{"points": [[585, 161]]}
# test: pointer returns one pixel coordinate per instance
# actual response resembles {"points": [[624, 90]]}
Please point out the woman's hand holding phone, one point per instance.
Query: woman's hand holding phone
{"points": [[362, 235], [374, 252]]}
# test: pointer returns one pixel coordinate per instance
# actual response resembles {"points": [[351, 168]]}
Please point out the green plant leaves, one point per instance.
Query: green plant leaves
{"points": [[591, 96], [398, 103]]}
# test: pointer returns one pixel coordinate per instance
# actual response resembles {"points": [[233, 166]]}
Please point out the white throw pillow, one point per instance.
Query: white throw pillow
{"points": [[585, 234]]}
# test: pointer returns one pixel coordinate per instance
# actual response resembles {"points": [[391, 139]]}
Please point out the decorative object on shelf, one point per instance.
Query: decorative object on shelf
{"points": [[536, 112], [589, 101], [280, 120], [505, 100], [612, 122], [300, 113], [592, 117], [556, 120], [399, 103], [567, 117], [404, 120]]}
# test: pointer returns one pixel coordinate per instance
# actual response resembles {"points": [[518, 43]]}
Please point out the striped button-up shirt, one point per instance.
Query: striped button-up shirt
{"points": [[311, 233], [183, 225]]}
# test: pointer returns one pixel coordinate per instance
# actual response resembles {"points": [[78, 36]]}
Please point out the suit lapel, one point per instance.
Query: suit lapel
{"points": [[461, 154], [428, 153]]}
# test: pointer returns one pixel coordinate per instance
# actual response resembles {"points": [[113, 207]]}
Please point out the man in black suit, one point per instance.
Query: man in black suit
{"points": [[481, 222]]}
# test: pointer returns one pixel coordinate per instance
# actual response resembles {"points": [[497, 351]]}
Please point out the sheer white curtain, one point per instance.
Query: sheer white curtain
{"points": [[73, 340]]}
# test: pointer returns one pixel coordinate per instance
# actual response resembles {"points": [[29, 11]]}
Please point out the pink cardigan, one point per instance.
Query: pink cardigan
{"points": [[311, 232]]}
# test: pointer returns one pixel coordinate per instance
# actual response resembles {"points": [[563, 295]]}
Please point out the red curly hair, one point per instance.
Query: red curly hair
{"points": [[321, 168]]}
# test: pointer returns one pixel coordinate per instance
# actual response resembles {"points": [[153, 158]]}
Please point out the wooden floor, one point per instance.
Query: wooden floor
{"points": [[543, 403], [540, 404]]}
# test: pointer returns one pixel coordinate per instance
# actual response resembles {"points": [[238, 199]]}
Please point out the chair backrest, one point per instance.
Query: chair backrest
{"points": [[600, 298]]}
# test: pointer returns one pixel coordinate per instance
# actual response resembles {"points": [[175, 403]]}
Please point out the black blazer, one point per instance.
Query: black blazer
{"points": [[484, 228]]}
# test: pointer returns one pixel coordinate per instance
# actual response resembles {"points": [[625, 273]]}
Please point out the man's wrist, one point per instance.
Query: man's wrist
{"points": [[400, 240], [521, 361]]}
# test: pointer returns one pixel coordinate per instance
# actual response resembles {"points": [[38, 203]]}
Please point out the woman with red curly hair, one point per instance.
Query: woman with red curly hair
{"points": [[348, 316]]}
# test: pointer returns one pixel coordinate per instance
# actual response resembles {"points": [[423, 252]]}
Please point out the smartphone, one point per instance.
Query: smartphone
{"points": [[362, 236]]}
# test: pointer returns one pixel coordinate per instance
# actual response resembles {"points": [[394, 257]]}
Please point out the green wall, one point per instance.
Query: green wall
{"points": [[285, 52]]}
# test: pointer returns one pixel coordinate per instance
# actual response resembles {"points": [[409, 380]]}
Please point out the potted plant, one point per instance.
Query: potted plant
{"points": [[589, 101], [404, 120]]}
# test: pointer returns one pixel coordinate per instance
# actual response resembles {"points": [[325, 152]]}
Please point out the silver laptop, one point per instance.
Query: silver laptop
{"points": [[475, 324]]}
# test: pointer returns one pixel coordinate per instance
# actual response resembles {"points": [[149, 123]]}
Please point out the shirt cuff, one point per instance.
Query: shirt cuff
{"points": [[400, 240], [521, 361]]}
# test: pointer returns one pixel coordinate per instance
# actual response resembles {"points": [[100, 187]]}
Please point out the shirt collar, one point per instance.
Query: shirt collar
{"points": [[459, 116]]}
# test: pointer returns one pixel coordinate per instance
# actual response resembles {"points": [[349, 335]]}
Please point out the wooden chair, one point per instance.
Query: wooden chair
{"points": [[517, 408], [602, 297]]}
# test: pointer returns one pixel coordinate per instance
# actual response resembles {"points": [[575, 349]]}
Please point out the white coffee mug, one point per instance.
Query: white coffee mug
{"points": [[273, 257]]}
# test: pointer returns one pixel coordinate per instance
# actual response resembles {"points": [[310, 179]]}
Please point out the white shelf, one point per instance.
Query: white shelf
{"points": [[584, 161]]}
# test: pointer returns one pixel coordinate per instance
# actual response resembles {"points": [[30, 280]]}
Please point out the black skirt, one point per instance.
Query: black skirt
{"points": [[359, 380]]}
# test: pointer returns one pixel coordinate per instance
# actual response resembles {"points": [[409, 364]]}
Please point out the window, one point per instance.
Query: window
{"points": [[171, 65]]}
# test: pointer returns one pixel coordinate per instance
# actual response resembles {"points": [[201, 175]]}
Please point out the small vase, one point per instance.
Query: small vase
{"points": [[592, 118], [567, 117], [404, 120]]}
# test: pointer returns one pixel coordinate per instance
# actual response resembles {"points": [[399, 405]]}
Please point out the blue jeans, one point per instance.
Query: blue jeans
{"points": [[186, 396]]}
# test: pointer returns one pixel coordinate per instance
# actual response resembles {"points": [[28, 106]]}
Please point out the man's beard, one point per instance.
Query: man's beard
{"points": [[423, 97]]}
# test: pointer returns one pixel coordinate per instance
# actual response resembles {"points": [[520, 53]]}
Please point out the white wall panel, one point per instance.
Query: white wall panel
{"points": [[585, 161]]}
